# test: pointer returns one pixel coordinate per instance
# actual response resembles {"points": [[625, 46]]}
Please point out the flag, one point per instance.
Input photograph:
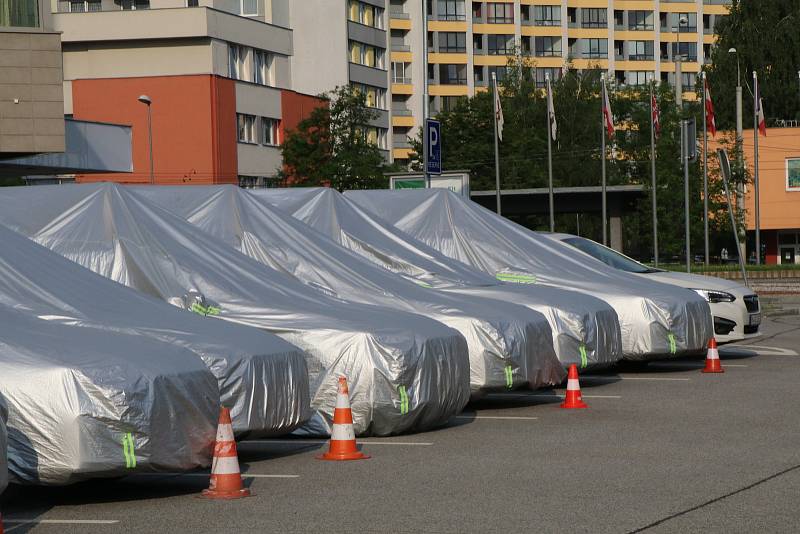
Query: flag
{"points": [[551, 111], [762, 123], [711, 123], [655, 114], [607, 115], [498, 109]]}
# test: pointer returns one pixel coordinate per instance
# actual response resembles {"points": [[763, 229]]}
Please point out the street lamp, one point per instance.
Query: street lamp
{"points": [[144, 99], [683, 21]]}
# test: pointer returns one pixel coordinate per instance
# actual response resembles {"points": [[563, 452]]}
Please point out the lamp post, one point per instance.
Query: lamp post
{"points": [[144, 99], [683, 21], [739, 142]]}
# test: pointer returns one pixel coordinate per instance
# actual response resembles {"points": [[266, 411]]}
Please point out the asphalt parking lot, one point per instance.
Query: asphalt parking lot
{"points": [[662, 448]]}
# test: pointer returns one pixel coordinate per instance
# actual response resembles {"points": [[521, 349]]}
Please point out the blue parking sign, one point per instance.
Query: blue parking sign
{"points": [[433, 145]]}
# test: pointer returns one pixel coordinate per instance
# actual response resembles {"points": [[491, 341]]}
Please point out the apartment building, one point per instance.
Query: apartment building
{"points": [[634, 41], [31, 102], [217, 74], [344, 42]]}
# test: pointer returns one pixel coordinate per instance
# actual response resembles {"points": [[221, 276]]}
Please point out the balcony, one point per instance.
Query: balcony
{"points": [[401, 48], [402, 112], [399, 15], [641, 57]]}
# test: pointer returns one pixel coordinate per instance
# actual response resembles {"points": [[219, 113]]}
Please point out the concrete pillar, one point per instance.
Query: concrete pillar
{"points": [[615, 232]]}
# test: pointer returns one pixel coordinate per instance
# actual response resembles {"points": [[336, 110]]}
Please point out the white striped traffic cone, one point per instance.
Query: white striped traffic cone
{"points": [[573, 398], [343, 438], [713, 365], [226, 479]]}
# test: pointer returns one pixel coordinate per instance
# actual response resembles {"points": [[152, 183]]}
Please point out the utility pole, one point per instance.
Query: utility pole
{"points": [[425, 110], [653, 171], [739, 191], [603, 154], [685, 157], [705, 167]]}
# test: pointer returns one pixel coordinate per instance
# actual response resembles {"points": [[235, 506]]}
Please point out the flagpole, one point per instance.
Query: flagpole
{"points": [[496, 147], [603, 152], [550, 156], [756, 105], [653, 173], [705, 163]]}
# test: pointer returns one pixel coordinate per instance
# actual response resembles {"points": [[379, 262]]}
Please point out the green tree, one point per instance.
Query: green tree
{"points": [[332, 146], [767, 40]]}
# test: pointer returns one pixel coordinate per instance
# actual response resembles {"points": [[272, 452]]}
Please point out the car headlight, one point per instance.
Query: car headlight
{"points": [[715, 296]]}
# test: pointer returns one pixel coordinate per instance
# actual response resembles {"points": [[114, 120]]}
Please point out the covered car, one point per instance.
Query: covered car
{"points": [[509, 345], [585, 330], [656, 320], [262, 379], [405, 372], [735, 307], [86, 403]]}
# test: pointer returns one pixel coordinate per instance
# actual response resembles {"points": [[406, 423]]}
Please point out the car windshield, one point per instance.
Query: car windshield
{"points": [[608, 256]]}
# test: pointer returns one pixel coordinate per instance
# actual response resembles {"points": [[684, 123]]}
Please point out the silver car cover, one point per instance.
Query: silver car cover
{"points": [[509, 345], [262, 379], [405, 372], [585, 329], [85, 403], [656, 320], [3, 446]]}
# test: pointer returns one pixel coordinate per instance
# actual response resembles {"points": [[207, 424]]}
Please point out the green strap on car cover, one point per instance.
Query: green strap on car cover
{"points": [[509, 377], [128, 451], [516, 278], [204, 310], [673, 347], [584, 358], [403, 399]]}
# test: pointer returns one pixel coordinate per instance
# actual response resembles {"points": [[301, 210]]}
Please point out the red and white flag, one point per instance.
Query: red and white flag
{"points": [[498, 109], [762, 123], [607, 115], [711, 122], [551, 111], [655, 114]]}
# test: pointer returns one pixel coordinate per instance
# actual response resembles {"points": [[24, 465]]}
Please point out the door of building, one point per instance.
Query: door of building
{"points": [[787, 255]]}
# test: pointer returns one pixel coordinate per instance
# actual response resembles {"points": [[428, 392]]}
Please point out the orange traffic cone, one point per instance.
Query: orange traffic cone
{"points": [[573, 398], [226, 480], [713, 365], [343, 437]]}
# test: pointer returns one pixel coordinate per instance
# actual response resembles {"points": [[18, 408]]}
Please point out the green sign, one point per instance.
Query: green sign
{"points": [[412, 183]]}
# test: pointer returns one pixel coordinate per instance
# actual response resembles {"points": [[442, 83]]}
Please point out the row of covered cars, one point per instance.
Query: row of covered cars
{"points": [[131, 313]]}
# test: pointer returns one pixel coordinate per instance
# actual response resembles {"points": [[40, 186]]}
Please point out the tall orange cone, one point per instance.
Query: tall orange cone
{"points": [[226, 479], [573, 398], [713, 365], [343, 437]]}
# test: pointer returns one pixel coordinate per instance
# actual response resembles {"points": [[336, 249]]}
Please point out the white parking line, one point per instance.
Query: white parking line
{"points": [[502, 417], [762, 350], [671, 365], [60, 522], [323, 441], [206, 475], [655, 378]]}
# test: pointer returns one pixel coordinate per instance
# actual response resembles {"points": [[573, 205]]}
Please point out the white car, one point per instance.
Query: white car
{"points": [[734, 307]]}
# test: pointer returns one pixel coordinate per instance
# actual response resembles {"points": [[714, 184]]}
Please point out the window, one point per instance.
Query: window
{"points": [[365, 14], [246, 127], [270, 131], [367, 55], [793, 174], [452, 42], [477, 43], [401, 72], [453, 74], [688, 80], [263, 64], [449, 103], [542, 73], [81, 6], [21, 13], [237, 62], [618, 16], [547, 46], [547, 15], [477, 74], [477, 11], [192, 3], [451, 10], [640, 20], [687, 51], [375, 97], [594, 17], [499, 72], [500, 45], [374, 136], [127, 5], [500, 13], [690, 26], [640, 50], [639, 77], [596, 48], [248, 8]]}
